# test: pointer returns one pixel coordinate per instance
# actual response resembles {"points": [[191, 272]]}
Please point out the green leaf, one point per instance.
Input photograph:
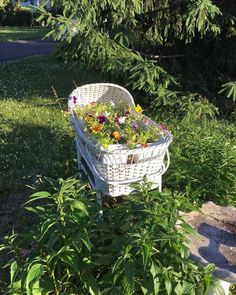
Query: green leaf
{"points": [[91, 284], [178, 289], [154, 270], [39, 210], [76, 204], [13, 271], [38, 196], [168, 287], [229, 89], [87, 243], [129, 267], [71, 258], [187, 228], [46, 226], [187, 287], [117, 264], [34, 273]]}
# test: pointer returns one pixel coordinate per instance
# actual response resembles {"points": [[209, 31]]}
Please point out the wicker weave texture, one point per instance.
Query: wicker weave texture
{"points": [[114, 189], [102, 92], [115, 168], [124, 164]]}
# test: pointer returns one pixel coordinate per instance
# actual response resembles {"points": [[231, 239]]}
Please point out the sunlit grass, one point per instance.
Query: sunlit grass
{"points": [[36, 138], [22, 33]]}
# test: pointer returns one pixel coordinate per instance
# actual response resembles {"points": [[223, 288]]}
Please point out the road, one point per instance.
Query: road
{"points": [[22, 48]]}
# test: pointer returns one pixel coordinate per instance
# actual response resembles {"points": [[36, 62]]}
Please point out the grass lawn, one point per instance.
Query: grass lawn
{"points": [[21, 33], [36, 138]]}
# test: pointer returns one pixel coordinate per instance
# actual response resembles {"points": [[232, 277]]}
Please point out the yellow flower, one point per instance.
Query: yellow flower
{"points": [[138, 109]]}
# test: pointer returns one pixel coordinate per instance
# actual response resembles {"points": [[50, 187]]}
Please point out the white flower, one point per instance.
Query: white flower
{"points": [[112, 103], [122, 120], [106, 114]]}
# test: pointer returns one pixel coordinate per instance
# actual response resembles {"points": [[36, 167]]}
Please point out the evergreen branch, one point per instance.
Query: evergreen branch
{"points": [[161, 56]]}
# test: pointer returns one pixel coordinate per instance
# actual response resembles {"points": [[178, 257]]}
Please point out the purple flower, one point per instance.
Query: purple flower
{"points": [[134, 125], [101, 119], [74, 99], [127, 113], [120, 120]]}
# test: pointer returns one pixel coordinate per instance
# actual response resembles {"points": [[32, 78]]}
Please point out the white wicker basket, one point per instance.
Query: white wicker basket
{"points": [[115, 168]]}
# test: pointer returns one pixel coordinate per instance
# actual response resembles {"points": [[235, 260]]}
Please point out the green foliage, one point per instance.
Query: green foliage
{"points": [[199, 16], [141, 43], [229, 89], [12, 14], [203, 161], [135, 248], [3, 4], [22, 17]]}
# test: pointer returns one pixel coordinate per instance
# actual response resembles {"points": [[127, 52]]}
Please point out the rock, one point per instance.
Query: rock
{"points": [[215, 241]]}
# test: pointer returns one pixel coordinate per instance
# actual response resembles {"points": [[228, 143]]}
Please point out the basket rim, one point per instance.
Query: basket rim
{"points": [[71, 106]]}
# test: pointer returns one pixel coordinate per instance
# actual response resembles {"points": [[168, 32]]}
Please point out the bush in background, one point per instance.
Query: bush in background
{"points": [[23, 17], [14, 15]]}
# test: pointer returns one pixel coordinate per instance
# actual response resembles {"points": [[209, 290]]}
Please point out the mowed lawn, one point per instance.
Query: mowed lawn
{"points": [[22, 33], [36, 137]]}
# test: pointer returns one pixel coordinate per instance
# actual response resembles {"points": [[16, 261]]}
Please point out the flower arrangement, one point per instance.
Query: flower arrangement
{"points": [[110, 124]]}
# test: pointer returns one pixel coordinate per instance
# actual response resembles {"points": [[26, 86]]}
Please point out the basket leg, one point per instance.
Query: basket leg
{"points": [[160, 184], [99, 201], [157, 182], [79, 156]]}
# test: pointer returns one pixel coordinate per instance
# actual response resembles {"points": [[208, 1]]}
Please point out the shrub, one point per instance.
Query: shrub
{"points": [[6, 12], [133, 249], [22, 17], [11, 15], [203, 161]]}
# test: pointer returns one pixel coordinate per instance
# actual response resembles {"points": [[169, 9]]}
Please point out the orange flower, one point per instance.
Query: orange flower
{"points": [[116, 135], [144, 144], [96, 129]]}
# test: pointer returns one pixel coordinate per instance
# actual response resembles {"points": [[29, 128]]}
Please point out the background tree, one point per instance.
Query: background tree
{"points": [[165, 49]]}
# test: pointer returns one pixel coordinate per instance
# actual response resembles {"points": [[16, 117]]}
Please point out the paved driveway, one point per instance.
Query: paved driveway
{"points": [[23, 48]]}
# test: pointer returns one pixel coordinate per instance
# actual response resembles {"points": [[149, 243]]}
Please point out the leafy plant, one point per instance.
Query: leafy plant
{"points": [[134, 248], [143, 44], [229, 89], [203, 161]]}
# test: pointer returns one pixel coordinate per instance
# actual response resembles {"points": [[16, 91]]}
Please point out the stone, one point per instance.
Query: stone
{"points": [[215, 239]]}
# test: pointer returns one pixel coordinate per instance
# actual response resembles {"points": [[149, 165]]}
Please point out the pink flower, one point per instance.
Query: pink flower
{"points": [[101, 119], [146, 122], [120, 120], [163, 127]]}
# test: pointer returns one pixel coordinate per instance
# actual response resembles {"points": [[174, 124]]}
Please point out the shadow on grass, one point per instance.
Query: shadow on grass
{"points": [[28, 153]]}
